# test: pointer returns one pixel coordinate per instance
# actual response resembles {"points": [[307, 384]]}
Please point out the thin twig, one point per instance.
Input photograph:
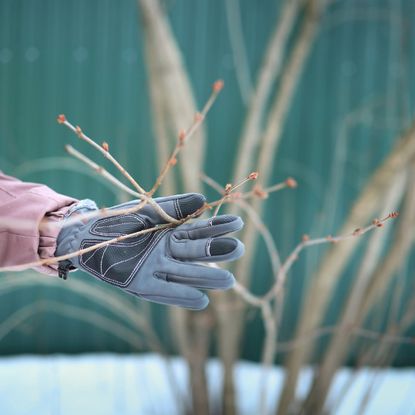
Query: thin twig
{"points": [[23, 224], [56, 259], [100, 170], [333, 263], [104, 150], [377, 223], [100, 213], [266, 235], [247, 295], [185, 135], [262, 228], [229, 188], [263, 193], [339, 344]]}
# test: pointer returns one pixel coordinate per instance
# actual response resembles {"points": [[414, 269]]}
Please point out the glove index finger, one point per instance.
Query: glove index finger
{"points": [[209, 228], [182, 205]]}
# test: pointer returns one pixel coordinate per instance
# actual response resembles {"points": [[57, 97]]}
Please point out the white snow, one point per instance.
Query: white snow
{"points": [[104, 384]]}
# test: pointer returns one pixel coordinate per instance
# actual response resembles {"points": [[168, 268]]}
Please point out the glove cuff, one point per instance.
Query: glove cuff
{"points": [[83, 206], [67, 240]]}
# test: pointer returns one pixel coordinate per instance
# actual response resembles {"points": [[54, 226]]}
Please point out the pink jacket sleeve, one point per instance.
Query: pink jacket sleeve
{"points": [[29, 216]]}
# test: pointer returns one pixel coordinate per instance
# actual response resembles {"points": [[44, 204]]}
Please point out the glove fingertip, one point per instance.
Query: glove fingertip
{"points": [[228, 282], [201, 303], [190, 203], [226, 249], [229, 223]]}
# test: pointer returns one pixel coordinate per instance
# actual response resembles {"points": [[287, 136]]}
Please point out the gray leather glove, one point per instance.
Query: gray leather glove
{"points": [[161, 266]]}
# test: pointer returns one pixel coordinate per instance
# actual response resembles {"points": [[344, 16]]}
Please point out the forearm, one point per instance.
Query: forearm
{"points": [[29, 222]]}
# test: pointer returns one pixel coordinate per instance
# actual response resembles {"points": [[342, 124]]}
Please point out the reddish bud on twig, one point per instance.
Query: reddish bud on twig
{"points": [[105, 146], [253, 176], [218, 85], [78, 131], [61, 118], [393, 215], [173, 161], [182, 136], [198, 117], [377, 223], [306, 237], [290, 182], [258, 191], [228, 188]]}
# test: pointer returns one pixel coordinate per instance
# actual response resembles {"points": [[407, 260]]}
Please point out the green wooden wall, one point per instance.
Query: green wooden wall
{"points": [[84, 58]]}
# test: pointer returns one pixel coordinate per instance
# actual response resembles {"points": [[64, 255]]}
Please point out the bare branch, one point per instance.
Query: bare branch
{"points": [[185, 135], [377, 223], [333, 263], [229, 189], [336, 351], [56, 259], [256, 219], [101, 171], [104, 150]]}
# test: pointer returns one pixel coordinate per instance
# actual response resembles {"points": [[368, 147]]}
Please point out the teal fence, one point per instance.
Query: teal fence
{"points": [[85, 59]]}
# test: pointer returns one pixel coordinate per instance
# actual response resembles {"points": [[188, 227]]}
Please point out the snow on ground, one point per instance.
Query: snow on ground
{"points": [[107, 384]]}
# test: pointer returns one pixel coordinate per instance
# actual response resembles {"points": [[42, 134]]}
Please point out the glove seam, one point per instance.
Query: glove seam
{"points": [[105, 235], [124, 284], [179, 209], [207, 247]]}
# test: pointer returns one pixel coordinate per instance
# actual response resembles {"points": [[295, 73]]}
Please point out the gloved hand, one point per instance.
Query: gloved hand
{"points": [[161, 266]]}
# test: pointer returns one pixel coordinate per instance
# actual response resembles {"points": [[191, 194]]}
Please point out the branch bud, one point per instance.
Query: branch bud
{"points": [[357, 232], [61, 118], [198, 117], [182, 136], [253, 176], [105, 146], [377, 223], [228, 188], [218, 85], [290, 182]]}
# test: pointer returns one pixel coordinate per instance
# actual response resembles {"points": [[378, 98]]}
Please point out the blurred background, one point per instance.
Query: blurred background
{"points": [[324, 89]]}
